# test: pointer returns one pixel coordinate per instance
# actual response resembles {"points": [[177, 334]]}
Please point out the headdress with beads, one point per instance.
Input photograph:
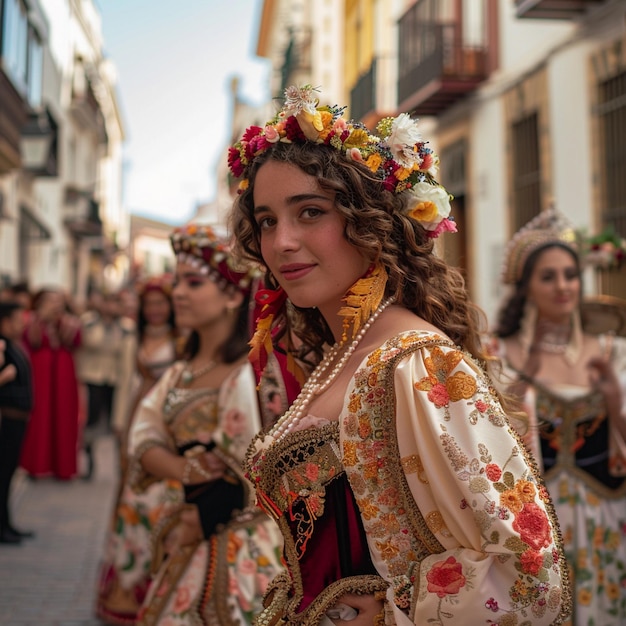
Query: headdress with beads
{"points": [[396, 155], [548, 227], [160, 282], [202, 247]]}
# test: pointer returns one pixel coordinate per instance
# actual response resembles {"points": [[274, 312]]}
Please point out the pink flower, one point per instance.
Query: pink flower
{"points": [[354, 154], [271, 134], [533, 526], [438, 395], [531, 562], [445, 226], [493, 472], [182, 600], [446, 577]]}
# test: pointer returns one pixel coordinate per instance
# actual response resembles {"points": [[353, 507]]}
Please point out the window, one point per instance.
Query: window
{"points": [[21, 51], [14, 42], [526, 170], [612, 114], [35, 69]]}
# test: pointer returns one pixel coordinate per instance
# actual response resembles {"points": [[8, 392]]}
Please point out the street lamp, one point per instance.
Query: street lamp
{"points": [[39, 144]]}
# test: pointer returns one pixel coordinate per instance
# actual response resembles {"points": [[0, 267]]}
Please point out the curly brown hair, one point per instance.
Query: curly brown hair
{"points": [[377, 225]]}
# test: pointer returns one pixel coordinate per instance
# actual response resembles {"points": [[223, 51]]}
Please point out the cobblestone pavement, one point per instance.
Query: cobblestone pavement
{"points": [[50, 580]]}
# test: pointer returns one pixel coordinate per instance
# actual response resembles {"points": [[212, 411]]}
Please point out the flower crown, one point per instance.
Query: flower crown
{"points": [[200, 246], [397, 156]]}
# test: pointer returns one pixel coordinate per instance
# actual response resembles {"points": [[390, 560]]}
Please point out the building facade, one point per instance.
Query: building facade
{"points": [[62, 221], [524, 102]]}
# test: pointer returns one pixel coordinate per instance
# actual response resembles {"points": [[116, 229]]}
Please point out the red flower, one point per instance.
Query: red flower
{"points": [[493, 472], [251, 132], [293, 130], [531, 561], [234, 162], [533, 527], [446, 577], [439, 395], [481, 406]]}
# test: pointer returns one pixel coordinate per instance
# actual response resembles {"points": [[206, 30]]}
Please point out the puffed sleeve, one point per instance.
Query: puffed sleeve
{"points": [[617, 445], [239, 417], [456, 516], [148, 428]]}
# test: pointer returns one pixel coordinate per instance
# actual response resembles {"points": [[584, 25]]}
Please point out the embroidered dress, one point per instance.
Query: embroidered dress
{"points": [[220, 580], [584, 473], [421, 492], [125, 571]]}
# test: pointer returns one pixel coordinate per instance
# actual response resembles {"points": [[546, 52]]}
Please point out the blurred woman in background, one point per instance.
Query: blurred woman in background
{"points": [[125, 571], [51, 337]]}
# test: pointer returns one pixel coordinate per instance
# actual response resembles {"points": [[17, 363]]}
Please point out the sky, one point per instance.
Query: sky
{"points": [[174, 63]]}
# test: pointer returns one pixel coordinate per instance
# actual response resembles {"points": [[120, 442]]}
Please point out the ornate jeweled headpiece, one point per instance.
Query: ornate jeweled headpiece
{"points": [[200, 246], [160, 282], [397, 155], [549, 226]]}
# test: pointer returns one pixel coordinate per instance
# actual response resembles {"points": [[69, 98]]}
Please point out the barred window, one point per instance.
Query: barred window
{"points": [[612, 115], [526, 170]]}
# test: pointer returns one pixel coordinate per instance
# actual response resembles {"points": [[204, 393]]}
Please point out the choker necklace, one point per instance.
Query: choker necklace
{"points": [[187, 376], [314, 386], [157, 331], [552, 347]]}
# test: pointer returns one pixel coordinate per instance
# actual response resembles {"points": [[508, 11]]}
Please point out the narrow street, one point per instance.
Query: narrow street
{"points": [[51, 580]]}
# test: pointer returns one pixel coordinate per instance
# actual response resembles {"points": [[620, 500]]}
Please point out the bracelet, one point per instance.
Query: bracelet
{"points": [[193, 464]]}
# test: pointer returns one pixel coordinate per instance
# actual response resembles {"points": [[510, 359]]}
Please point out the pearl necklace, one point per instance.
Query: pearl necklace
{"points": [[187, 376], [313, 386]]}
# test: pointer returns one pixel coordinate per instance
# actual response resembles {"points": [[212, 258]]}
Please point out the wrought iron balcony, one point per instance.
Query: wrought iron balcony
{"points": [[554, 9], [371, 97], [436, 69]]}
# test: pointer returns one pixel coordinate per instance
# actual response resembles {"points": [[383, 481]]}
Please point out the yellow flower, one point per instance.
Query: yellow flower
{"points": [[584, 597], [526, 490], [424, 212], [612, 591], [243, 184], [373, 161], [510, 499], [402, 173]]}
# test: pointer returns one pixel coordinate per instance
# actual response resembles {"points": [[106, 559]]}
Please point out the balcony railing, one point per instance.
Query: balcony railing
{"points": [[297, 64], [436, 69], [372, 98], [554, 9]]}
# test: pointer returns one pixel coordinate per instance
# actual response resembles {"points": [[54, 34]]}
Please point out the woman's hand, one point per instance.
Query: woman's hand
{"points": [[603, 378], [187, 532], [367, 607]]}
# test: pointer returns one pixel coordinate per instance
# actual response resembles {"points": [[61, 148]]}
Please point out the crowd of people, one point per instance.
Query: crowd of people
{"points": [[316, 425]]}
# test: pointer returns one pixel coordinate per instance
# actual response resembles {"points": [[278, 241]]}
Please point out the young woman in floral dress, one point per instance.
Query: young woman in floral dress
{"points": [[125, 571], [403, 494], [214, 555], [573, 384]]}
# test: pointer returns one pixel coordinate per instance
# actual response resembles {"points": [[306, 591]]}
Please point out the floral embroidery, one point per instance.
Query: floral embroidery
{"points": [[495, 498], [446, 578], [441, 387]]}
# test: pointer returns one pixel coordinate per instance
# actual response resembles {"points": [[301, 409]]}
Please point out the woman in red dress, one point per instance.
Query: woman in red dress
{"points": [[51, 337]]}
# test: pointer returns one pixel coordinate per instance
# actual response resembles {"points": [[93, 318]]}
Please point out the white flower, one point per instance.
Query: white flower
{"points": [[402, 139], [298, 99], [432, 204]]}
